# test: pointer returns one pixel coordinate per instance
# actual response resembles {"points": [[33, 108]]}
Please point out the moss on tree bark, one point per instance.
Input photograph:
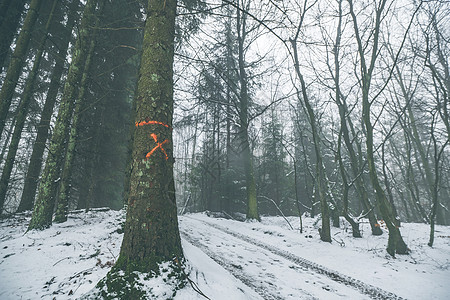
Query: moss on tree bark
{"points": [[17, 61], [151, 234], [35, 165], [22, 111], [45, 202]]}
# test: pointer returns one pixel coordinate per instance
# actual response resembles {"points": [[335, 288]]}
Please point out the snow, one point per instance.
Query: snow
{"points": [[228, 259]]}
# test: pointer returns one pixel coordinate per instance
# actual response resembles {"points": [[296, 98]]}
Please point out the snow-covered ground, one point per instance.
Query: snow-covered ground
{"points": [[228, 259]]}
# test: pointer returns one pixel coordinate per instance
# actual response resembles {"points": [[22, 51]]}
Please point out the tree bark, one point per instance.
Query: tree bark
{"points": [[17, 61], [252, 203], [395, 240], [43, 208], [22, 111], [64, 188], [35, 165], [10, 12], [321, 185], [151, 229]]}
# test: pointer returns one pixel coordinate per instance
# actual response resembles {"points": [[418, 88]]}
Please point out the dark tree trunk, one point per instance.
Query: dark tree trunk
{"points": [[395, 240], [320, 184], [17, 61], [151, 230], [10, 12], [66, 175], [44, 206], [35, 165], [22, 111], [252, 203]]}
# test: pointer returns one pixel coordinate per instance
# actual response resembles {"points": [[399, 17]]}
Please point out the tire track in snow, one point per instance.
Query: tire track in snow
{"points": [[232, 268], [362, 287]]}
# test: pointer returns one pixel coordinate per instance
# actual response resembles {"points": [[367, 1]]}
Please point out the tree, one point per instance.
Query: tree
{"points": [[35, 164], [272, 167], [151, 234], [252, 203], [10, 12], [320, 175], [66, 174], [395, 240], [347, 133], [17, 61], [101, 151], [45, 201], [22, 111]]}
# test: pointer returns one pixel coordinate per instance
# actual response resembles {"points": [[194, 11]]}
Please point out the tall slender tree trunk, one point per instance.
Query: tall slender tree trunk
{"points": [[355, 225], [17, 61], [66, 175], [395, 240], [151, 230], [343, 114], [10, 12], [437, 178], [6, 141], [321, 184], [229, 67], [35, 165], [22, 111], [44, 206], [252, 204]]}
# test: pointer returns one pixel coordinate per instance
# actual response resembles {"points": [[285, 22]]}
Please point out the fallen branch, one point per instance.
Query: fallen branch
{"points": [[267, 198]]}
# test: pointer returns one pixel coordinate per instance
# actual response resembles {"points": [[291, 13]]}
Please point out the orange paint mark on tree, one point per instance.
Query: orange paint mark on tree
{"points": [[146, 122], [155, 138], [158, 145]]}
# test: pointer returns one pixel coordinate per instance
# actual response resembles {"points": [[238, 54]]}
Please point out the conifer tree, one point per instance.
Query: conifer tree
{"points": [[64, 188], [17, 61], [23, 110], [10, 12], [43, 208], [151, 233], [35, 165]]}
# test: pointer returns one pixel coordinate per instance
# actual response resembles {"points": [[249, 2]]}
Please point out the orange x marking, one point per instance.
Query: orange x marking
{"points": [[158, 145]]}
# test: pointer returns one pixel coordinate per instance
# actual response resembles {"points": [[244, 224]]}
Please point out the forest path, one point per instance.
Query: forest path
{"points": [[273, 273]]}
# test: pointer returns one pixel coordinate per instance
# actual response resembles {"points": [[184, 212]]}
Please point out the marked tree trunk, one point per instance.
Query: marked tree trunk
{"points": [[35, 165], [45, 202], [151, 234], [17, 61], [22, 111]]}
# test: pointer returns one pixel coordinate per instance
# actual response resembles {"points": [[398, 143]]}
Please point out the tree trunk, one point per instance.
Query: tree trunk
{"points": [[64, 188], [344, 116], [435, 189], [22, 111], [321, 185], [10, 11], [252, 204], [35, 165], [151, 229], [17, 61], [395, 240], [43, 208], [355, 225]]}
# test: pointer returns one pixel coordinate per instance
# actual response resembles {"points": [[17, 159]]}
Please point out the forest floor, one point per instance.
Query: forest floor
{"points": [[228, 259]]}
